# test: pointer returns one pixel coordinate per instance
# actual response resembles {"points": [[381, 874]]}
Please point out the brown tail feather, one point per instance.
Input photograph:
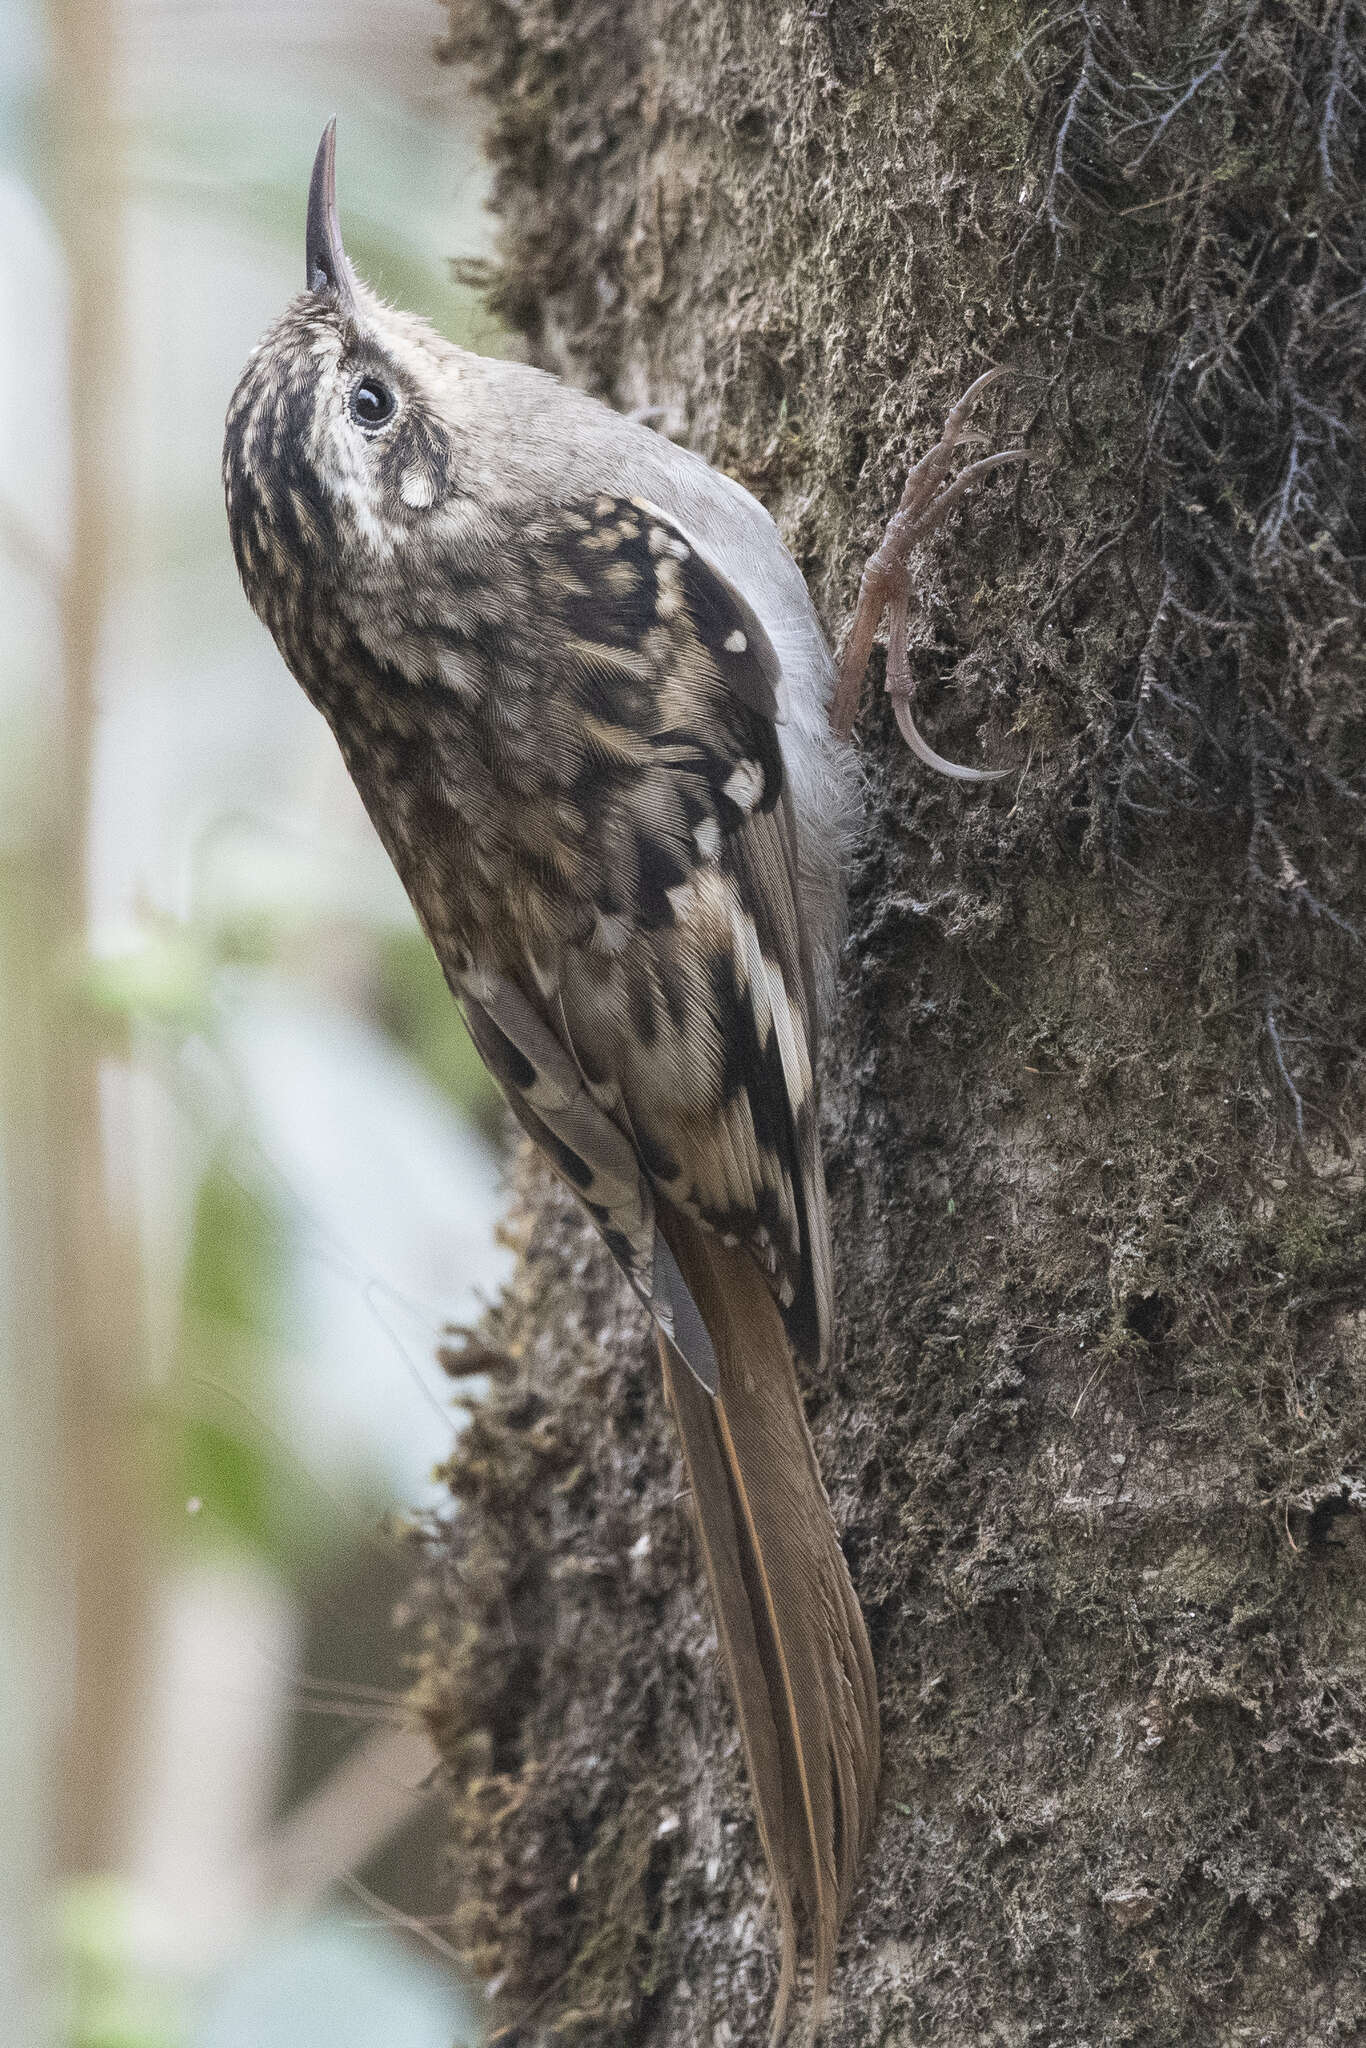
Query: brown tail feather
{"points": [[789, 1624]]}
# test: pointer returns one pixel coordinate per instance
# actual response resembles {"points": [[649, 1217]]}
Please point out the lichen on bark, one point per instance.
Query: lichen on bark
{"points": [[1093, 1103]]}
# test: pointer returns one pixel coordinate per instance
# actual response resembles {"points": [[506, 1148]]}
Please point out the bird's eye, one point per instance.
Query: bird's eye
{"points": [[372, 403]]}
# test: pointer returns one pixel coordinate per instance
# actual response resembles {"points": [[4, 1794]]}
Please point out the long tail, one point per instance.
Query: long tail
{"points": [[789, 1624]]}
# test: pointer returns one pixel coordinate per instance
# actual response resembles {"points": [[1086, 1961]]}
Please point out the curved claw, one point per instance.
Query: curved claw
{"points": [[926, 502], [901, 689], [923, 751]]}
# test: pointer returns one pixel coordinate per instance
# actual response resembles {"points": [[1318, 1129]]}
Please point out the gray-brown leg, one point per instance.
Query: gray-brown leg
{"points": [[926, 503]]}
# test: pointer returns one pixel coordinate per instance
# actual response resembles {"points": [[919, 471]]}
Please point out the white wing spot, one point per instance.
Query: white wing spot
{"points": [[662, 542], [609, 933], [735, 643], [745, 785], [792, 1052], [751, 973], [708, 838]]}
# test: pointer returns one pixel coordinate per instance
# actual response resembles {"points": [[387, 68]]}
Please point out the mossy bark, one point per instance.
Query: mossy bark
{"points": [[1093, 1102]]}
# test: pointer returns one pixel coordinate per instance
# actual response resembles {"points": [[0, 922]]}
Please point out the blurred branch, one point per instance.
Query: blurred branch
{"points": [[94, 1275], [337, 1829]]}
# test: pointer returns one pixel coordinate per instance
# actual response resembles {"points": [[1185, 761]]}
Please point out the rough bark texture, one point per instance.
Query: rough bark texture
{"points": [[1093, 1107]]}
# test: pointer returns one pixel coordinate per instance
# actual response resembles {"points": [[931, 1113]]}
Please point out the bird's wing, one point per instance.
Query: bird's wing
{"points": [[655, 1039], [677, 1004]]}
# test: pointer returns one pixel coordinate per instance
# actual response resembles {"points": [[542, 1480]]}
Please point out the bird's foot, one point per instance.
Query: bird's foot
{"points": [[926, 503]]}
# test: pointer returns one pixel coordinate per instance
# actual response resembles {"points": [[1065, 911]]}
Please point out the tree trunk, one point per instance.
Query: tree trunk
{"points": [[1093, 1101]]}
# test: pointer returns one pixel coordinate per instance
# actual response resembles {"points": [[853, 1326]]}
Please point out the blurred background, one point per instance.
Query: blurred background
{"points": [[249, 1170]]}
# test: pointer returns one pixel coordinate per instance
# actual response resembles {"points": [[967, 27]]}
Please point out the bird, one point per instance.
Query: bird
{"points": [[586, 699]]}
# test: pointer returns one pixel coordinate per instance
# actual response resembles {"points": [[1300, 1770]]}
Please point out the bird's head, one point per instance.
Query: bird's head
{"points": [[344, 449]]}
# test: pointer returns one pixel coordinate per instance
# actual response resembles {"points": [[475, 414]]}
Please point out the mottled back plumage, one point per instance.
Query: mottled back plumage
{"points": [[579, 686]]}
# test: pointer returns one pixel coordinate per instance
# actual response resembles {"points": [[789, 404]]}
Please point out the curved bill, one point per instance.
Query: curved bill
{"points": [[328, 267]]}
